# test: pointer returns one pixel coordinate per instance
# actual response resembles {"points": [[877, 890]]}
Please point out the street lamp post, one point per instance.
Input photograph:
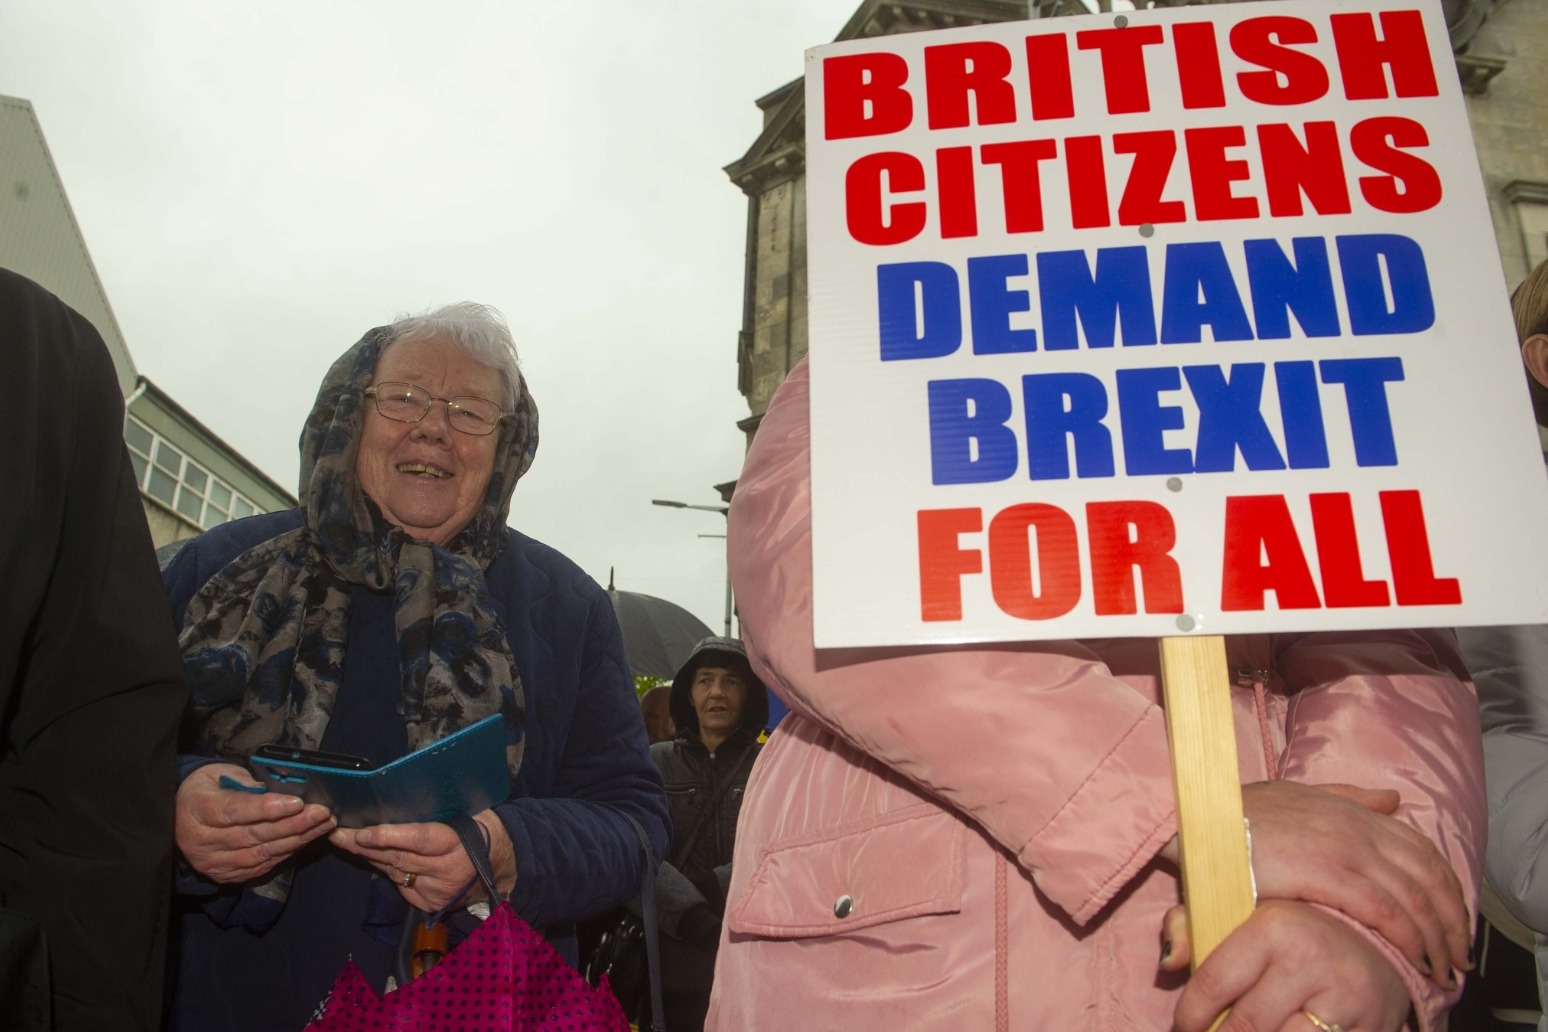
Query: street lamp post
{"points": [[722, 509]]}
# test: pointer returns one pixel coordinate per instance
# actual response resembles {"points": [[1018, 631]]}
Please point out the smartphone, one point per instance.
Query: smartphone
{"points": [[312, 757], [465, 772]]}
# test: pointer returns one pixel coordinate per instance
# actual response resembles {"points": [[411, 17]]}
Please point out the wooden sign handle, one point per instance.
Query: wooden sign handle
{"points": [[1216, 871]]}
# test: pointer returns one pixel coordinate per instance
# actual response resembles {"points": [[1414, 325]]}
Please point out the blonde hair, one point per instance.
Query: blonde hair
{"points": [[1529, 306], [1529, 303]]}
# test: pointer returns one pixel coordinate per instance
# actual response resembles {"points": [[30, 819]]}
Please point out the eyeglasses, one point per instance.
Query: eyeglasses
{"points": [[407, 403]]}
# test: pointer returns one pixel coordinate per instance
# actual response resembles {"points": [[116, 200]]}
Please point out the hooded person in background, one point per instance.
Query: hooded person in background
{"points": [[720, 707], [92, 692]]}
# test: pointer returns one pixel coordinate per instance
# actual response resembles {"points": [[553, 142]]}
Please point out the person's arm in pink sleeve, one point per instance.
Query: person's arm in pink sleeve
{"points": [[1062, 763], [1394, 710]]}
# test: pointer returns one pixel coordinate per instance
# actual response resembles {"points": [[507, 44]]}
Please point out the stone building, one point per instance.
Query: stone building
{"points": [[189, 478], [1505, 82], [1495, 42]]}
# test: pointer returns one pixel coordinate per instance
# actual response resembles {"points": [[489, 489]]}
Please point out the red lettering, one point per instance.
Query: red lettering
{"points": [[1126, 536], [1408, 547], [1153, 155], [943, 563], [1363, 58], [864, 199], [1058, 561], [1198, 65], [1289, 76], [1375, 141], [1338, 555], [863, 95], [1123, 64], [1048, 77], [1213, 173], [957, 70], [1020, 181], [957, 192], [1315, 169], [1263, 554], [1088, 182]]}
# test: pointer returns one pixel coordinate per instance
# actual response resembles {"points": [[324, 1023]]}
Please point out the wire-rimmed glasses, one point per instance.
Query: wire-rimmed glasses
{"points": [[408, 403]]}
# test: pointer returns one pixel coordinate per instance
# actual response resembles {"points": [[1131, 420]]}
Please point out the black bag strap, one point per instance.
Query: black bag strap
{"points": [[476, 844], [683, 848], [648, 912], [477, 847]]}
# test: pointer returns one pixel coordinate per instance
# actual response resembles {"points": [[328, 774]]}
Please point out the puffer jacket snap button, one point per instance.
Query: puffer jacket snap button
{"points": [[843, 906]]}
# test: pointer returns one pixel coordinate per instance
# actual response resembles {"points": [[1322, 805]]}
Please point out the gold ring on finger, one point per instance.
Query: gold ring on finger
{"points": [[408, 883], [1325, 1026]]}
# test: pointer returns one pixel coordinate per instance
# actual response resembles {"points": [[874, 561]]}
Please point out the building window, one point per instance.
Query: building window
{"points": [[178, 482]]}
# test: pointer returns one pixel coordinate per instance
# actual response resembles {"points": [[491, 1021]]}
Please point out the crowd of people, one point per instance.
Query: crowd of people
{"points": [[965, 837]]}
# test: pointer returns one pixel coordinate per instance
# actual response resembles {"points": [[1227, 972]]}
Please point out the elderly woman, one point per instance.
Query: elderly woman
{"points": [[393, 608]]}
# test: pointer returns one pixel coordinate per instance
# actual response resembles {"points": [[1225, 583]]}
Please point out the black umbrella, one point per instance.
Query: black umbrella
{"points": [[657, 634]]}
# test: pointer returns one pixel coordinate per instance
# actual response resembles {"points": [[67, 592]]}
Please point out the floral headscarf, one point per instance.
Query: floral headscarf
{"points": [[264, 640]]}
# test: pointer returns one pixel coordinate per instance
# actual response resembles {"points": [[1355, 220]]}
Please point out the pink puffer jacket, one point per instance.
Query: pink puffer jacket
{"points": [[965, 838]]}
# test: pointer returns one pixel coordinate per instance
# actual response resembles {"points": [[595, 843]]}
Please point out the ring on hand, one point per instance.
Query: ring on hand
{"points": [[408, 883], [1325, 1026]]}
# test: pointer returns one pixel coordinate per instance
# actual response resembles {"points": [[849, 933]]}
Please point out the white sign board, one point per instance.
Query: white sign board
{"points": [[1176, 321]]}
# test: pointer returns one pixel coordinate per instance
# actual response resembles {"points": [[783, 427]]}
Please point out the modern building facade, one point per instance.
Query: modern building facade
{"points": [[39, 237], [1496, 43], [189, 478]]}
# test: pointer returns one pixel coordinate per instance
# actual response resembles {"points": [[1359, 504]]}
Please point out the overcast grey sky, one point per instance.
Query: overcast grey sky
{"points": [[260, 182]]}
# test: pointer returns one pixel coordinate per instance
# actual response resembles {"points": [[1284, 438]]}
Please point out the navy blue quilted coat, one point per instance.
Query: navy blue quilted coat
{"points": [[237, 967]]}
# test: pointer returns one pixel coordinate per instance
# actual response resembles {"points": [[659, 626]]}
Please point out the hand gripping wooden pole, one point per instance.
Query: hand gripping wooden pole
{"points": [[1216, 871]]}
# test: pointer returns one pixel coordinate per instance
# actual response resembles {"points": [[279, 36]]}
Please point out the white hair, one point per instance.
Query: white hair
{"points": [[477, 330]]}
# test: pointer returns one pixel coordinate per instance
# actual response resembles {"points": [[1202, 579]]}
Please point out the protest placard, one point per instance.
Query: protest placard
{"points": [[1171, 322]]}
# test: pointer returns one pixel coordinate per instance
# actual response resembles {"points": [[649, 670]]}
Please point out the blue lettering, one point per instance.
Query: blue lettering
{"points": [[1144, 421], [1117, 294], [969, 440], [1230, 418], [1199, 290], [1300, 411], [1361, 258], [1060, 406], [992, 303], [935, 330], [1280, 287], [1365, 395]]}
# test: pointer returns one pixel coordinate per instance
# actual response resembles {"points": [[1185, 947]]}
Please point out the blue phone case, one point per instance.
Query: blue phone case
{"points": [[463, 773]]}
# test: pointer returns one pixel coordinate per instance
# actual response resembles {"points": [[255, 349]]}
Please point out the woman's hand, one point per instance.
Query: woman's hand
{"points": [[433, 854], [1287, 959], [232, 837], [1338, 845]]}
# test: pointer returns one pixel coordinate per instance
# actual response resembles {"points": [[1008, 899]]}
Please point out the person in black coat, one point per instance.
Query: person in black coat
{"points": [[720, 708], [91, 691]]}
